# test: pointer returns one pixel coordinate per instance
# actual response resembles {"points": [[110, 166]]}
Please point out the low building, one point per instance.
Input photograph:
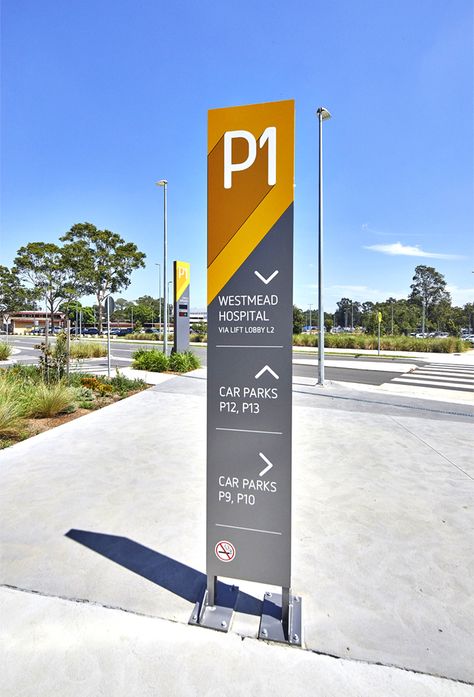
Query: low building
{"points": [[26, 321]]}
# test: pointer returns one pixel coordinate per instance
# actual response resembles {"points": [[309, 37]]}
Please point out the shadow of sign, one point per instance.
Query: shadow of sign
{"points": [[164, 571]]}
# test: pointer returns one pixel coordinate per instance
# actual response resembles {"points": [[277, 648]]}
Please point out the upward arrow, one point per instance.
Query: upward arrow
{"points": [[266, 369]]}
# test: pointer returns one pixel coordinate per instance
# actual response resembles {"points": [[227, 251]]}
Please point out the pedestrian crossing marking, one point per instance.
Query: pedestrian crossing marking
{"points": [[441, 375]]}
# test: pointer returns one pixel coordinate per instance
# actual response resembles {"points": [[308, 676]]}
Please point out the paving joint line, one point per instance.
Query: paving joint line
{"points": [[386, 404], [243, 637], [431, 447]]}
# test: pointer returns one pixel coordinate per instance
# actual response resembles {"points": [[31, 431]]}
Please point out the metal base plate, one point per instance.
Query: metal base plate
{"points": [[271, 626], [218, 616]]}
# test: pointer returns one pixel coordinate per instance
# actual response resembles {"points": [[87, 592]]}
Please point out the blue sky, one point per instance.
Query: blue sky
{"points": [[102, 98]]}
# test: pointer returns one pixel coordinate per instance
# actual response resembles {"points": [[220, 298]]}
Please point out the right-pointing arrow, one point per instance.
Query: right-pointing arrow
{"points": [[266, 369], [268, 463]]}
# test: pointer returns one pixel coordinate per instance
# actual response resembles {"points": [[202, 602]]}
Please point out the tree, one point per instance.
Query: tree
{"points": [[298, 320], [46, 267], [72, 307], [154, 305], [348, 313], [122, 311], [13, 295], [102, 260], [428, 290]]}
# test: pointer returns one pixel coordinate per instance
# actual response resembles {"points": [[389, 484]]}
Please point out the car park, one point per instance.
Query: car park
{"points": [[120, 332]]}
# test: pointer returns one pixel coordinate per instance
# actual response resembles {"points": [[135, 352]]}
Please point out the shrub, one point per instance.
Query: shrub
{"points": [[101, 386], [123, 385], [5, 351], [183, 362], [156, 361], [387, 343], [89, 349], [50, 400], [153, 360], [11, 415], [141, 337]]}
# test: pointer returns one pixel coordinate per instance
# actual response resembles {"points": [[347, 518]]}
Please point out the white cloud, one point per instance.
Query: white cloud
{"points": [[460, 296], [399, 249]]}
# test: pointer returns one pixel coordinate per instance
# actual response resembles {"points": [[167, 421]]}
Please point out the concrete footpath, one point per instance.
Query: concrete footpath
{"points": [[103, 553]]}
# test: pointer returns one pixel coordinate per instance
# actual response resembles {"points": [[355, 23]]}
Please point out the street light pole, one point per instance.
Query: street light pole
{"points": [[310, 322], [164, 184], [170, 283], [159, 297], [322, 115]]}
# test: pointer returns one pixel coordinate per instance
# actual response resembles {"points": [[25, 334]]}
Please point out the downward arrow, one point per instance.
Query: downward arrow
{"points": [[266, 280], [268, 467], [266, 369]]}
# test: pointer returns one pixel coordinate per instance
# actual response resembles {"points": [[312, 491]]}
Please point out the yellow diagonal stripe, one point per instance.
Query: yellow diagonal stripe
{"points": [[183, 275], [245, 241]]}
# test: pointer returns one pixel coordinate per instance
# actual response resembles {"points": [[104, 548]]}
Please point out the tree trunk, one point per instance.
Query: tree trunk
{"points": [[51, 314], [99, 303]]}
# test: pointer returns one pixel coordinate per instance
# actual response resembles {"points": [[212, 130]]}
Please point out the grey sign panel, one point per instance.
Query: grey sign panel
{"points": [[249, 415]]}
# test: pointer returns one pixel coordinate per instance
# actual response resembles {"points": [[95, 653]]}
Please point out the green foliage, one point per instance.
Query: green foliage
{"points": [[12, 407], [13, 295], [199, 328], [183, 362], [102, 260], [24, 394], [5, 351], [21, 375], [87, 349], [47, 267], [71, 307], [387, 343], [428, 287], [123, 385], [84, 394], [298, 320], [152, 359], [140, 337], [51, 400], [97, 385], [156, 361], [54, 358]]}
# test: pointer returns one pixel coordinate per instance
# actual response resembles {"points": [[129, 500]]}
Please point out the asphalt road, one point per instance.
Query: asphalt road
{"points": [[122, 356]]}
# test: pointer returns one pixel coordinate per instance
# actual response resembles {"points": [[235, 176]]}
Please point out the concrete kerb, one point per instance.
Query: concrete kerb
{"points": [[379, 532], [79, 650]]}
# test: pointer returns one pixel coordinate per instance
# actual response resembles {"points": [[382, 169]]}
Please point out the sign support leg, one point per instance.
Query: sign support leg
{"points": [[211, 590], [215, 608], [285, 612], [281, 618]]}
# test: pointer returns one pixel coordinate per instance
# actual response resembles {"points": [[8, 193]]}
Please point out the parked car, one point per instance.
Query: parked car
{"points": [[90, 331], [151, 330]]}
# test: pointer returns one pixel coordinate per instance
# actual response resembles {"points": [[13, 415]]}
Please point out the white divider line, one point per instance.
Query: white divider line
{"points": [[247, 430], [237, 527]]}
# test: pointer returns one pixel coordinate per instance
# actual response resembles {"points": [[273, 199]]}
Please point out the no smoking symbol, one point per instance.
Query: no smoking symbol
{"points": [[225, 551]]}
